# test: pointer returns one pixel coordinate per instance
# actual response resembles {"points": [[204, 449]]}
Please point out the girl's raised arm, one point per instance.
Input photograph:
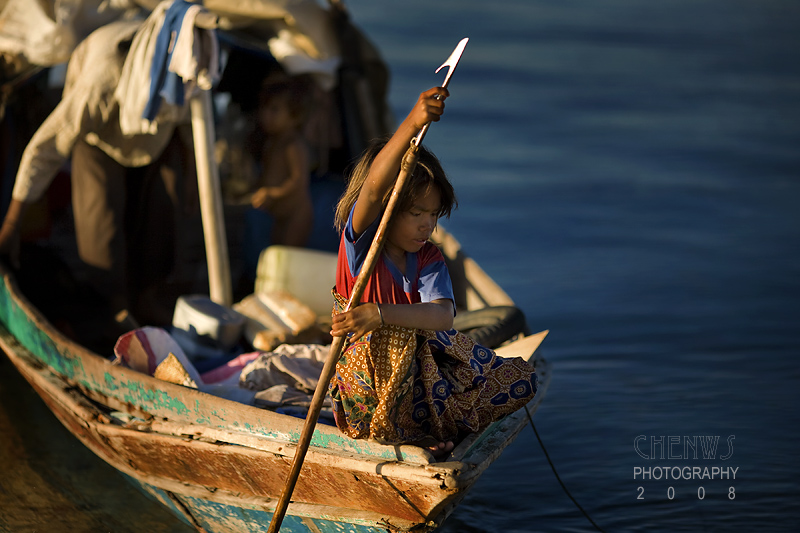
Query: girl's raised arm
{"points": [[385, 168]]}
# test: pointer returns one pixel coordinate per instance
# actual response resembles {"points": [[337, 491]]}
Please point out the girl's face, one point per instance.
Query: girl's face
{"points": [[275, 116], [411, 229]]}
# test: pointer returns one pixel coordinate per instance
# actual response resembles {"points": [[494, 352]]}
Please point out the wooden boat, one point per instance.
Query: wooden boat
{"points": [[221, 465]]}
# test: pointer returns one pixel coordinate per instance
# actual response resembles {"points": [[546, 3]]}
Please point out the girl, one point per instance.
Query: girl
{"points": [[405, 375]]}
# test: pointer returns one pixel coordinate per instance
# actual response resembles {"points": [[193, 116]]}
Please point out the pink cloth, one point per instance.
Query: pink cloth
{"points": [[231, 368]]}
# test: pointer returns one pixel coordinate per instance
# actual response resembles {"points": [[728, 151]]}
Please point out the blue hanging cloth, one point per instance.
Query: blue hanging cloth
{"points": [[163, 83]]}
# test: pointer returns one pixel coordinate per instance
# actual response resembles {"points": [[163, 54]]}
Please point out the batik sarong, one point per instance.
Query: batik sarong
{"points": [[402, 385]]}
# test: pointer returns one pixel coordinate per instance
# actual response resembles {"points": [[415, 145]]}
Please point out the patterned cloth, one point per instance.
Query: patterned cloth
{"points": [[400, 385]]}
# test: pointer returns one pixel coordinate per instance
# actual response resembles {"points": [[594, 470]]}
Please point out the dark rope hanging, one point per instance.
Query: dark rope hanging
{"points": [[553, 467]]}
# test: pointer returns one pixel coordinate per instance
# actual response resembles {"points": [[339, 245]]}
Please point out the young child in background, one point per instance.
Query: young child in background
{"points": [[405, 376], [285, 162]]}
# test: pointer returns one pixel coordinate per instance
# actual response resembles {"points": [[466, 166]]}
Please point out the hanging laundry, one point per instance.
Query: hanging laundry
{"points": [[150, 90], [195, 56]]}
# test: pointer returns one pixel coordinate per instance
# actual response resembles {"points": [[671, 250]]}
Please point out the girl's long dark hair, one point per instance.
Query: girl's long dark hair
{"points": [[428, 173]]}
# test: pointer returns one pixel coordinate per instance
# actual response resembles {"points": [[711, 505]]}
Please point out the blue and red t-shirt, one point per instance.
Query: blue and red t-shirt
{"points": [[426, 278]]}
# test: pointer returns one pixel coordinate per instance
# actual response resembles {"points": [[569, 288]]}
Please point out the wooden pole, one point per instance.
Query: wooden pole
{"points": [[219, 272]]}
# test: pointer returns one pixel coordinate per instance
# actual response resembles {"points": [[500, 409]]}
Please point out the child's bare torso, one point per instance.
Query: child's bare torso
{"points": [[281, 168]]}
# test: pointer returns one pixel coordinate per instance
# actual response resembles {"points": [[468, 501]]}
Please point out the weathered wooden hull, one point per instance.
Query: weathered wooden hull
{"points": [[222, 465], [213, 516]]}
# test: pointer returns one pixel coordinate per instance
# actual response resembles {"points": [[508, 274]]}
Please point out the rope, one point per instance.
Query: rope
{"points": [[553, 467]]}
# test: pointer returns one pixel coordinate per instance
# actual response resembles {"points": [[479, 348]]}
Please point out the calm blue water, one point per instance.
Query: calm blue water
{"points": [[630, 172]]}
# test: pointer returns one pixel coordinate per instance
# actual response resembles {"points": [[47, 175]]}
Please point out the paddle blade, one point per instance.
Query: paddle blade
{"points": [[452, 61]]}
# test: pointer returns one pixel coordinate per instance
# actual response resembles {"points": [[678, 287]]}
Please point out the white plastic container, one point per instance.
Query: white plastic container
{"points": [[308, 275], [198, 315]]}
